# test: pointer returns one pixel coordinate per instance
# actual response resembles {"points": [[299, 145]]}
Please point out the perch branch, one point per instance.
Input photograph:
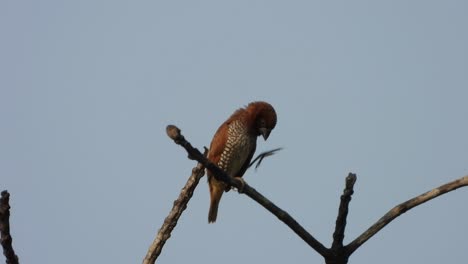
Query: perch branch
{"points": [[287, 219], [402, 208], [170, 222], [6, 239], [174, 133]]}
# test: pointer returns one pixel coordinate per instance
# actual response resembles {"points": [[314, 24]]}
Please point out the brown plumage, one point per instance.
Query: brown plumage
{"points": [[234, 143]]}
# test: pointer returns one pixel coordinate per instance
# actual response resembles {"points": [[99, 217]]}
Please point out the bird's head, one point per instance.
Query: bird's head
{"points": [[264, 118]]}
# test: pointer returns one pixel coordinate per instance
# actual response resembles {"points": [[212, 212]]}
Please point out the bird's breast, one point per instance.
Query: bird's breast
{"points": [[237, 149]]}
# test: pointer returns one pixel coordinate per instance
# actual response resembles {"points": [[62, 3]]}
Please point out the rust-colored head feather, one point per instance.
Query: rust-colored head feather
{"points": [[262, 118]]}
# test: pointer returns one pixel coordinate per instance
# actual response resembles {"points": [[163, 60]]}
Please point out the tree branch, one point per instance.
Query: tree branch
{"points": [[402, 208], [170, 222], [6, 239], [337, 254], [338, 235], [174, 133], [287, 219]]}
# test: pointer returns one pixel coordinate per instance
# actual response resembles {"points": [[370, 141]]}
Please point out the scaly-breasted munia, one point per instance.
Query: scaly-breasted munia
{"points": [[233, 146]]}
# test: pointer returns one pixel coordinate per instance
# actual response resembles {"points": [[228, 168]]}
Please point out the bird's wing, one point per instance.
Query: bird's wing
{"points": [[218, 143]]}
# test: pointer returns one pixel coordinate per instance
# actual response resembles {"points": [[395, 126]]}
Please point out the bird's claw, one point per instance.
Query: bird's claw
{"points": [[241, 183]]}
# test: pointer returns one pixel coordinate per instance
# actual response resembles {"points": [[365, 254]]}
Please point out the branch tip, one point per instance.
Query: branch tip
{"points": [[5, 194], [173, 132], [350, 180]]}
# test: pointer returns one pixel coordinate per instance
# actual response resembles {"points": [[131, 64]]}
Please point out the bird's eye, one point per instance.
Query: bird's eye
{"points": [[262, 123]]}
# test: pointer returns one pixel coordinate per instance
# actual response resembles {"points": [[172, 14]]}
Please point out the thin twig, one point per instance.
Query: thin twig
{"points": [[170, 222], [6, 239], [174, 133], [402, 208]]}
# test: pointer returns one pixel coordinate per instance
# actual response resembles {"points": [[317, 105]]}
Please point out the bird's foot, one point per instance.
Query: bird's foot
{"points": [[241, 183]]}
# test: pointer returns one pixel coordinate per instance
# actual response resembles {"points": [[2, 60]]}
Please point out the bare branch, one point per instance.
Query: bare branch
{"points": [[402, 208], [174, 133], [338, 235], [337, 254], [6, 239], [170, 222], [287, 219]]}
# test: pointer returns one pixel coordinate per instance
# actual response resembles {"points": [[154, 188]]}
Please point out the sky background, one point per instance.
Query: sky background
{"points": [[378, 88]]}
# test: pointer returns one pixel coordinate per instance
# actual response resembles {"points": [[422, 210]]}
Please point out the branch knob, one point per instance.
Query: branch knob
{"points": [[173, 132]]}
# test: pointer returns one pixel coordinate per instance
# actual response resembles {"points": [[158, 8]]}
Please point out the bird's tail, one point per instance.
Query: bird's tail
{"points": [[216, 194]]}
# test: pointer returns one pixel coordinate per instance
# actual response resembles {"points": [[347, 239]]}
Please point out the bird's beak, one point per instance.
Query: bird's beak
{"points": [[265, 132]]}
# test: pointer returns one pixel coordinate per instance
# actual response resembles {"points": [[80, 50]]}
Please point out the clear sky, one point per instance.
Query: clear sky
{"points": [[378, 88]]}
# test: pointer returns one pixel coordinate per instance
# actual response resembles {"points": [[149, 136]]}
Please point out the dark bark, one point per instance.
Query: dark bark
{"points": [[6, 239]]}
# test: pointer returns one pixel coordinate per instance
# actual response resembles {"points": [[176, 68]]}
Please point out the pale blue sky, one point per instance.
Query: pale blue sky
{"points": [[379, 88]]}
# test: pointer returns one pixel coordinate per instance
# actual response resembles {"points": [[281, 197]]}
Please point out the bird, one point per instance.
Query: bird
{"points": [[234, 144]]}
